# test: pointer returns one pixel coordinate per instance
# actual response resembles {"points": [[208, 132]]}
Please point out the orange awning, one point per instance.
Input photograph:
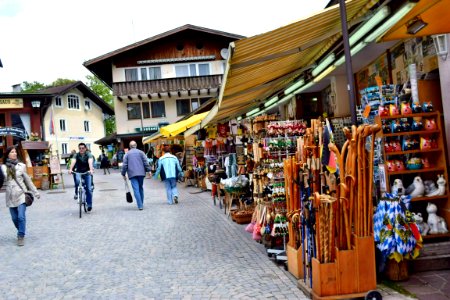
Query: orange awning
{"points": [[436, 13]]}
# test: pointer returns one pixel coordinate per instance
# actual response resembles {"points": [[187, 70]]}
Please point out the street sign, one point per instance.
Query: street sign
{"points": [[14, 131]]}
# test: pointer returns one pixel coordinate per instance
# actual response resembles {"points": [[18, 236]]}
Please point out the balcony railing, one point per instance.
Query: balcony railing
{"points": [[167, 85]]}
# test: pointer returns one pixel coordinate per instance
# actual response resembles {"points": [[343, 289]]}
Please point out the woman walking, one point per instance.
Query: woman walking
{"points": [[16, 181]]}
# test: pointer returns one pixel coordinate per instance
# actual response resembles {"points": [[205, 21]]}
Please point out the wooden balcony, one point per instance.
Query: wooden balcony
{"points": [[166, 85]]}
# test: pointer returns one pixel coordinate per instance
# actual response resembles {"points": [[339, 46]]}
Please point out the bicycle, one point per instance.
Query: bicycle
{"points": [[82, 192]]}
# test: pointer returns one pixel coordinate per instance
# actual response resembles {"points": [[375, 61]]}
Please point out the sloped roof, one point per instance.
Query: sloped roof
{"points": [[62, 89], [160, 36]]}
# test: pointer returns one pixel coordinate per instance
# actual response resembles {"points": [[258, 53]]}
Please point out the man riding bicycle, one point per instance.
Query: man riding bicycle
{"points": [[83, 162]]}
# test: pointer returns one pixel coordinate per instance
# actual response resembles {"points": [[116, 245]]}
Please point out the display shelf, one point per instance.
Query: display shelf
{"points": [[409, 133], [412, 151], [428, 114], [436, 236], [441, 169], [417, 199]]}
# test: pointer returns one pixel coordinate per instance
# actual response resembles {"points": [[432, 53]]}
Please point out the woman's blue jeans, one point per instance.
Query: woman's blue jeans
{"points": [[19, 218], [171, 189], [137, 183]]}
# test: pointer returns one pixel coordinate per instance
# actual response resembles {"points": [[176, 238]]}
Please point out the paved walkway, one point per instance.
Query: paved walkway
{"points": [[185, 251]]}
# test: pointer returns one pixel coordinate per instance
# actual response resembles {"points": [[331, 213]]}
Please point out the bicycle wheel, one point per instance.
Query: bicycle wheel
{"points": [[84, 202], [80, 200]]}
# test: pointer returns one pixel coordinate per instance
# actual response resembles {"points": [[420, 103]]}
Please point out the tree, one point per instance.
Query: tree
{"points": [[61, 81], [29, 87], [105, 93]]}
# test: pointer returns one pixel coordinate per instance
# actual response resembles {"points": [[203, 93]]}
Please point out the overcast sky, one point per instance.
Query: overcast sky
{"points": [[49, 39]]}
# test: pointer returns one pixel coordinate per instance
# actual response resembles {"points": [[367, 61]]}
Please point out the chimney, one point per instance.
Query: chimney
{"points": [[17, 88]]}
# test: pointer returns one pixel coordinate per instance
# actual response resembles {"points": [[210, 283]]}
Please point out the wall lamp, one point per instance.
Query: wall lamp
{"points": [[415, 25], [323, 64], [271, 101], [35, 103], [390, 22], [379, 16], [294, 86], [441, 45], [252, 112]]}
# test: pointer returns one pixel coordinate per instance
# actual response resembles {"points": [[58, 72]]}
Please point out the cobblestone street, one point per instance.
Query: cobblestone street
{"points": [[184, 251]]}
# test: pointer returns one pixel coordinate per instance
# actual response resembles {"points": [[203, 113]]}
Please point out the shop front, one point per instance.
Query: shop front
{"points": [[323, 194]]}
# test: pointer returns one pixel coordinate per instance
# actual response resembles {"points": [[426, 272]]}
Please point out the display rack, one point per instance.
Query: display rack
{"points": [[437, 163]]}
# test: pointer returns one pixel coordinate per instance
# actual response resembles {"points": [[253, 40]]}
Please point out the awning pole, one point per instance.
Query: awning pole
{"points": [[348, 61]]}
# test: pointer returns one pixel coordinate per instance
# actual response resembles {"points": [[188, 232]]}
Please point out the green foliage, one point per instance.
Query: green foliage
{"points": [[104, 92], [28, 87], [61, 81], [100, 89]]}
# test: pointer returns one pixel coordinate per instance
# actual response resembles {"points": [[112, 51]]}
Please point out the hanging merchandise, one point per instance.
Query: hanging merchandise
{"points": [[395, 230]]}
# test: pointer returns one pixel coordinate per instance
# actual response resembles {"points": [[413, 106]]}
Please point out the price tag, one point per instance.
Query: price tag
{"points": [[366, 111]]}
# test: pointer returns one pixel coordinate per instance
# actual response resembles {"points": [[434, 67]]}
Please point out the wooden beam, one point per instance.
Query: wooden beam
{"points": [[179, 94], [129, 98], [149, 96], [209, 91], [189, 93], [120, 98], [169, 95], [159, 95], [198, 92], [139, 96]]}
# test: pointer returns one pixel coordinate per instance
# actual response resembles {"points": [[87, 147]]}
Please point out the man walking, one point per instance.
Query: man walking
{"points": [[169, 167], [135, 163]]}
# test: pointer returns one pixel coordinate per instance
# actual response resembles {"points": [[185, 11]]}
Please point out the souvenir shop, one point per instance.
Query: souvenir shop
{"points": [[323, 195]]}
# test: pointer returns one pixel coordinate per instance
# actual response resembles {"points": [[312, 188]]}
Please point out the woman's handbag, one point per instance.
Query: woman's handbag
{"points": [[29, 197]]}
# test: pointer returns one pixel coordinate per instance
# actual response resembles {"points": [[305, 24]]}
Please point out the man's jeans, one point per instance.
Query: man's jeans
{"points": [[171, 189], [88, 188], [19, 219], [137, 183]]}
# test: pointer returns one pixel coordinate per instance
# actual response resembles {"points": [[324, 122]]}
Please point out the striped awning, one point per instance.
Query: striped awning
{"points": [[261, 66]]}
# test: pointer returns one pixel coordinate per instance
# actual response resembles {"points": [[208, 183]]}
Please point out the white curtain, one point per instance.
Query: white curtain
{"points": [[26, 121]]}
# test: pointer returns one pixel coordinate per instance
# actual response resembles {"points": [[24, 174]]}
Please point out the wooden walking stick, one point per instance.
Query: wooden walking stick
{"points": [[374, 129], [360, 186]]}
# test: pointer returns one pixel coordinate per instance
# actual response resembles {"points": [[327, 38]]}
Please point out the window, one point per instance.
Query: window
{"points": [[64, 148], [194, 104], [182, 71], [62, 125], [58, 102], [204, 100], [143, 73], [131, 74], [202, 69], [183, 107], [88, 146], [146, 110], [87, 126], [87, 104], [73, 102], [158, 109], [154, 72], [134, 111]]}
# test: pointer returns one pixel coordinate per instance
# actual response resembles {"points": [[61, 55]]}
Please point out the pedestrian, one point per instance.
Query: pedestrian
{"points": [[83, 162], [17, 182], [104, 162], [169, 168], [135, 164]]}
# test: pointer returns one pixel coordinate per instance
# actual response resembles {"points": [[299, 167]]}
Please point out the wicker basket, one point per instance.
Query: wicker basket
{"points": [[242, 217]]}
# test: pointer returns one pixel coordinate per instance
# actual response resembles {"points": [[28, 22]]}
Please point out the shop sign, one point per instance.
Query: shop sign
{"points": [[11, 103], [146, 129], [76, 137], [14, 131]]}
